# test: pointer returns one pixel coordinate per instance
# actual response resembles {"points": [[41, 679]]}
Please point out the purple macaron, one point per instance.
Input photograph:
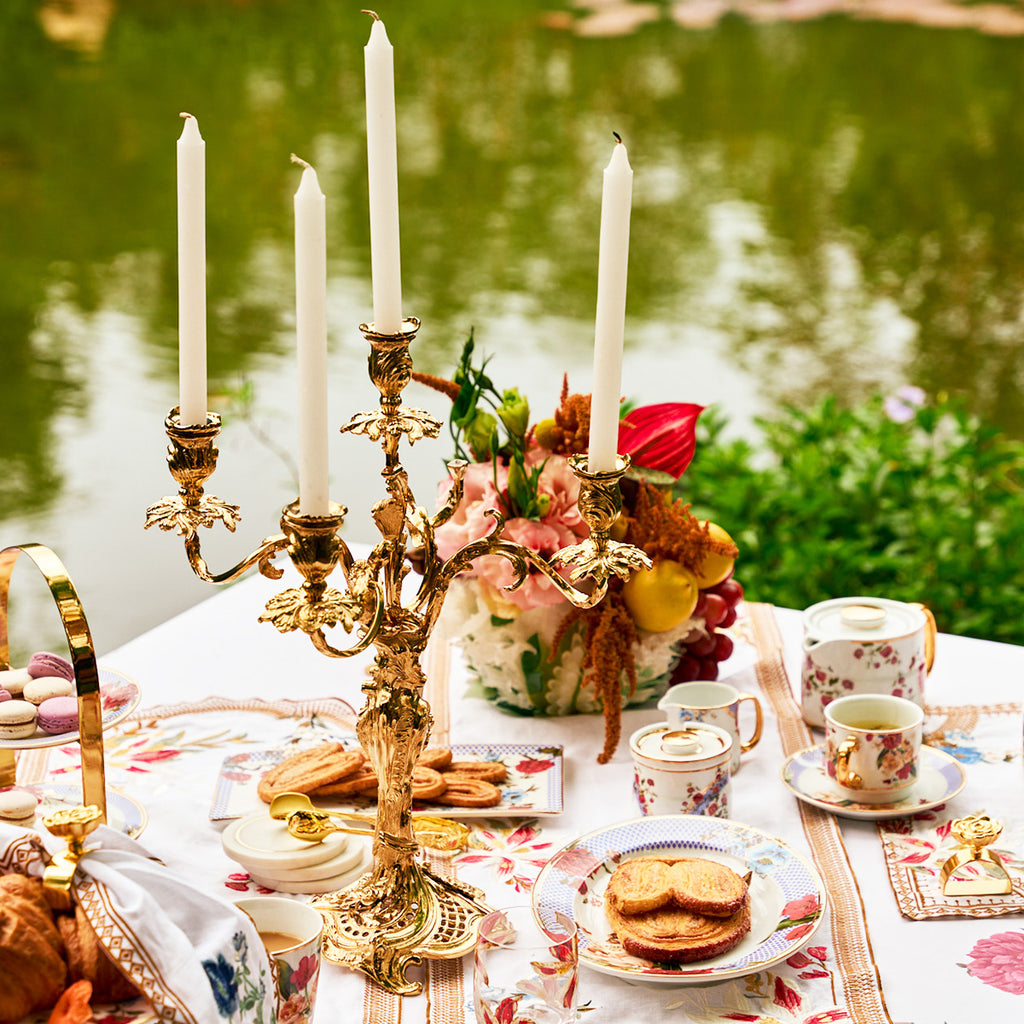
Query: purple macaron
{"points": [[4, 695], [57, 715], [43, 663]]}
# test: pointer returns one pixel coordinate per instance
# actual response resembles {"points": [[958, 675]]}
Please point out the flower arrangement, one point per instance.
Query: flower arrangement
{"points": [[534, 652]]}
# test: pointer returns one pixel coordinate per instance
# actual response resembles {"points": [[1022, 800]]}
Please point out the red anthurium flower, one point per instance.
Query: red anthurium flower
{"points": [[661, 436]]}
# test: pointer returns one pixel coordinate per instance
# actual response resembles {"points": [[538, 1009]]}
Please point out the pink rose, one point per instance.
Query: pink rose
{"points": [[999, 961], [294, 1009], [561, 526]]}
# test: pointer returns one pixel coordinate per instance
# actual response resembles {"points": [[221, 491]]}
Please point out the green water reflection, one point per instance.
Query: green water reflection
{"points": [[828, 205]]}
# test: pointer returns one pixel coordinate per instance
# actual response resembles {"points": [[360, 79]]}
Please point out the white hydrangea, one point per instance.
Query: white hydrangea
{"points": [[493, 650]]}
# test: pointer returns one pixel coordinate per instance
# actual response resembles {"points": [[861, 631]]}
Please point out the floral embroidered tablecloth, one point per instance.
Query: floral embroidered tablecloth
{"points": [[867, 963]]}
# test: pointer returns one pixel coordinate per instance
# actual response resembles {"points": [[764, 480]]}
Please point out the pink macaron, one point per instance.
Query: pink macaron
{"points": [[4, 695], [58, 714], [43, 663]]}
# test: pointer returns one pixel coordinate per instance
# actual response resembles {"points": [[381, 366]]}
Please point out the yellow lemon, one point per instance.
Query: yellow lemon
{"points": [[662, 597], [715, 567]]}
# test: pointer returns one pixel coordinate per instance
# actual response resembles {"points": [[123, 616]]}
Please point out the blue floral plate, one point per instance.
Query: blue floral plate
{"points": [[787, 897]]}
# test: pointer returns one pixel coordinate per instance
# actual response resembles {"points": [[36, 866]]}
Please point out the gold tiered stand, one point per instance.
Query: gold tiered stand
{"points": [[83, 660], [400, 912]]}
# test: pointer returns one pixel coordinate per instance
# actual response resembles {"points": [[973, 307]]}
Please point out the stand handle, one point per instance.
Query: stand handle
{"points": [[83, 660]]}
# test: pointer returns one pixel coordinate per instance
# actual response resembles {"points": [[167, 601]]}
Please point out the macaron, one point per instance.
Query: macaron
{"points": [[17, 804], [58, 714], [44, 687], [43, 663], [4, 695], [13, 680], [17, 720]]}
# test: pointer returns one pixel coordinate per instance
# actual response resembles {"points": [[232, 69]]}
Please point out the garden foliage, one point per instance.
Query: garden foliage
{"points": [[835, 502]]}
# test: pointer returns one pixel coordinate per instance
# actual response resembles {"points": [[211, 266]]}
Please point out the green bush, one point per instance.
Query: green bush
{"points": [[836, 502]]}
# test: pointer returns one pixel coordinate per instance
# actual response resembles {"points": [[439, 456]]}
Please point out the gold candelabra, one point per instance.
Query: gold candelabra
{"points": [[400, 911]]}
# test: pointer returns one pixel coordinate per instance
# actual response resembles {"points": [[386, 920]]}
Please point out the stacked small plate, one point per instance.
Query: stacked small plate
{"points": [[279, 861]]}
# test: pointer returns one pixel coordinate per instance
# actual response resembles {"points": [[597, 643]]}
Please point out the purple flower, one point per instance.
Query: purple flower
{"points": [[900, 408]]}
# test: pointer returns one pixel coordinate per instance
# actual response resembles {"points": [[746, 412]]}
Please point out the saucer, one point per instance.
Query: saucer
{"points": [[940, 778]]}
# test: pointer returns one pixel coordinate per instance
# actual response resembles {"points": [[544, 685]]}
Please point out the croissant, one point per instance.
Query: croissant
{"points": [[30, 950], [86, 958]]}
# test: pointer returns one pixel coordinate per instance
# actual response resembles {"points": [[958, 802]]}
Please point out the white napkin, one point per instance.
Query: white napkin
{"points": [[196, 957]]}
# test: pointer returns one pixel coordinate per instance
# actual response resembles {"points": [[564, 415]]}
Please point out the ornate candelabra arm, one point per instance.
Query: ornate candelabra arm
{"points": [[269, 546], [316, 549], [600, 503], [192, 458]]}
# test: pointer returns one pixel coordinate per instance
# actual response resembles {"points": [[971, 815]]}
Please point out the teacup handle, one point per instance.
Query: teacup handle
{"points": [[931, 631], [758, 720], [844, 775]]}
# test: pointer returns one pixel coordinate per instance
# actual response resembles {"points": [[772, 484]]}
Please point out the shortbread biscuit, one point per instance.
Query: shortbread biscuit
{"points": [[307, 770], [467, 792], [488, 771]]}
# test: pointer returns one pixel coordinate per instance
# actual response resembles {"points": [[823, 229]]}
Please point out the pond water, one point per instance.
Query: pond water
{"points": [[822, 203]]}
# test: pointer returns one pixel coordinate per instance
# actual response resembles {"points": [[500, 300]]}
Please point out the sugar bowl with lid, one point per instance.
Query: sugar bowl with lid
{"points": [[682, 770], [864, 645]]}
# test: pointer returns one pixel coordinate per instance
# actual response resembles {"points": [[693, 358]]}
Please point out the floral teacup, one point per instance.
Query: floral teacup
{"points": [[291, 931], [872, 745]]}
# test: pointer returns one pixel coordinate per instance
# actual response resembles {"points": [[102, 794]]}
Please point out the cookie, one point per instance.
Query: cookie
{"points": [[13, 680], [466, 792], [309, 769], [17, 720], [43, 688], [488, 771], [437, 758], [58, 714], [43, 663]]}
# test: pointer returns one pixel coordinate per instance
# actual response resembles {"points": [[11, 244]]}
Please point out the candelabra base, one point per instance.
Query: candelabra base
{"points": [[383, 925]]}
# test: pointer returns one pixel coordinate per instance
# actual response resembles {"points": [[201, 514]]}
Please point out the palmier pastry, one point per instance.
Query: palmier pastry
{"points": [[672, 935], [489, 771], [466, 792], [307, 770], [690, 883], [437, 758]]}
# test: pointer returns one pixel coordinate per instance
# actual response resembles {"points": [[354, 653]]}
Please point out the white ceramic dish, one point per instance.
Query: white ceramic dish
{"points": [[940, 778], [787, 895], [123, 813]]}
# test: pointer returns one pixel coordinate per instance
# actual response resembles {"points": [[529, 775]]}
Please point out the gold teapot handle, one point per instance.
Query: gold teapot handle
{"points": [[844, 775], [931, 631]]}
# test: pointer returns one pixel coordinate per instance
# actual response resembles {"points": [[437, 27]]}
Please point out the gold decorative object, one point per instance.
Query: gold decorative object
{"points": [[73, 824], [83, 660], [976, 832], [401, 911]]}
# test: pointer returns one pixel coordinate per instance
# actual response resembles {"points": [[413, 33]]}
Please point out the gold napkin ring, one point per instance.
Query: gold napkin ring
{"points": [[976, 832]]}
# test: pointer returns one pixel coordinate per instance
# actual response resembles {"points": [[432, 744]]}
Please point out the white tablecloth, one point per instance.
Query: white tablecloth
{"points": [[219, 648]]}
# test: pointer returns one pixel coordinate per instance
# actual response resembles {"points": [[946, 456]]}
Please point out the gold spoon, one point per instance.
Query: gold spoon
{"points": [[308, 822]]}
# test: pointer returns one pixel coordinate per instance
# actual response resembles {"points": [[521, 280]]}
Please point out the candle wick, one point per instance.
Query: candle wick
{"points": [[184, 114], [618, 137], [372, 14], [298, 160]]}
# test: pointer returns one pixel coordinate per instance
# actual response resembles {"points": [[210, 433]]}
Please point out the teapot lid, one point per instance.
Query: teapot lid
{"points": [[862, 619]]}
